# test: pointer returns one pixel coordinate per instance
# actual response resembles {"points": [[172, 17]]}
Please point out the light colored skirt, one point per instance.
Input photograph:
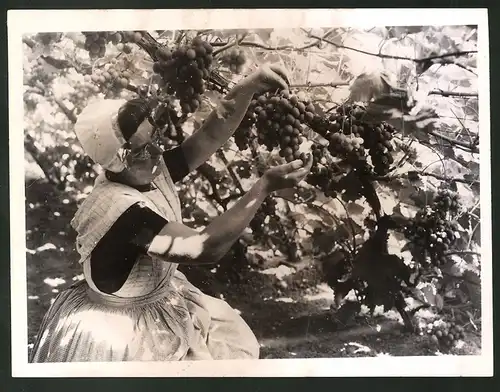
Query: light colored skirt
{"points": [[175, 323]]}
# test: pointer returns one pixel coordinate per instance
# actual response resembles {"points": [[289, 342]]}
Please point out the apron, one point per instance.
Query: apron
{"points": [[157, 315]]}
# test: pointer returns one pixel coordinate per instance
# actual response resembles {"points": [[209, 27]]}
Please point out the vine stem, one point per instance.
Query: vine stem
{"points": [[350, 224], [234, 176], [471, 147], [387, 56], [230, 45], [452, 93], [437, 176], [462, 252], [280, 47], [311, 85]]}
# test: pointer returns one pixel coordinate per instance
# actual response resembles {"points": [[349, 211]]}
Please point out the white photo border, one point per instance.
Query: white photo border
{"points": [[33, 21]]}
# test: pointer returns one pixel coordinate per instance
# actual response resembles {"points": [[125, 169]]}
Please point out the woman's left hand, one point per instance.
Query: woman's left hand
{"points": [[267, 78]]}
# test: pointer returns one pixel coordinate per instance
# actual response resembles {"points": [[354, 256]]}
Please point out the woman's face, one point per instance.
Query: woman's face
{"points": [[145, 155]]}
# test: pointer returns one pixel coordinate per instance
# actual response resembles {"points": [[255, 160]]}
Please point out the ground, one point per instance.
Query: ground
{"points": [[288, 310]]}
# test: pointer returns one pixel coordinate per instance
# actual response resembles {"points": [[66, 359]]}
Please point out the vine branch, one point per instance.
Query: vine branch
{"points": [[69, 113], [279, 47], [46, 167], [413, 174], [230, 45], [472, 147], [452, 93], [311, 85], [234, 177], [387, 56]]}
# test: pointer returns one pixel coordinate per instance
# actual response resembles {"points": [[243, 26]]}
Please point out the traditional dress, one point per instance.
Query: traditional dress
{"points": [[156, 315]]}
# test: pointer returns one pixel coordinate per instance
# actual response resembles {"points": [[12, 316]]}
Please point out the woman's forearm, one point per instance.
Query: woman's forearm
{"points": [[224, 230], [216, 130], [221, 129], [177, 243]]}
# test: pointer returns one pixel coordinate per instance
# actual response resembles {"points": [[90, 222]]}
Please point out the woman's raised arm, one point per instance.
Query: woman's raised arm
{"points": [[217, 129]]}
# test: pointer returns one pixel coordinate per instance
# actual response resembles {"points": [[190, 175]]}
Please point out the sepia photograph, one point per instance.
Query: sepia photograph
{"points": [[250, 193]]}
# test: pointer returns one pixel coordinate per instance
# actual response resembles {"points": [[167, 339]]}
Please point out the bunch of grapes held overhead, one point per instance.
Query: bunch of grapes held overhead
{"points": [[279, 120], [184, 71], [353, 147]]}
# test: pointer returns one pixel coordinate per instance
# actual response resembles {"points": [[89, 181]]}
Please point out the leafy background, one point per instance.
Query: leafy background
{"points": [[279, 282]]}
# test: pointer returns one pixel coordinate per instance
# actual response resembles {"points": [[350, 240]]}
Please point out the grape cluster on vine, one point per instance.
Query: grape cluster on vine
{"points": [[48, 38], [243, 135], [109, 80], [96, 41], [184, 70], [82, 90], [350, 138], [168, 118], [234, 60], [327, 179], [278, 120], [433, 230], [445, 334], [446, 202], [258, 223]]}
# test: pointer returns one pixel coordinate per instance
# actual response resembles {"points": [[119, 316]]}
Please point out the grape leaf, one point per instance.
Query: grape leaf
{"points": [[439, 301], [354, 208]]}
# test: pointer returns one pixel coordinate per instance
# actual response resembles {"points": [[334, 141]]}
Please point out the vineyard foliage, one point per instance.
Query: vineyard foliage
{"points": [[391, 208]]}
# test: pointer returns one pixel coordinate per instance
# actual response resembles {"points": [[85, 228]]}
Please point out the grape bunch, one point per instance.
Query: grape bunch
{"points": [[433, 231], [234, 60], [446, 202], [48, 38], [351, 138], [445, 334], [82, 90], [168, 118], [360, 136], [378, 140], [325, 174], [123, 39], [109, 79], [278, 119], [185, 70], [319, 154], [348, 147], [326, 178], [345, 142], [267, 209], [243, 134], [96, 41]]}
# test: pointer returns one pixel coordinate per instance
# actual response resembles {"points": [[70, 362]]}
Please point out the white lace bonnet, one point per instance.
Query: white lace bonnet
{"points": [[98, 133]]}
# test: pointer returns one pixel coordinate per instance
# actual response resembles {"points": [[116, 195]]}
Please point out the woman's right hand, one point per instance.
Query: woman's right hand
{"points": [[287, 175]]}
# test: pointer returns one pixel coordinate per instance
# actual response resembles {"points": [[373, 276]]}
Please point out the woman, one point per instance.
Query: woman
{"points": [[133, 304]]}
